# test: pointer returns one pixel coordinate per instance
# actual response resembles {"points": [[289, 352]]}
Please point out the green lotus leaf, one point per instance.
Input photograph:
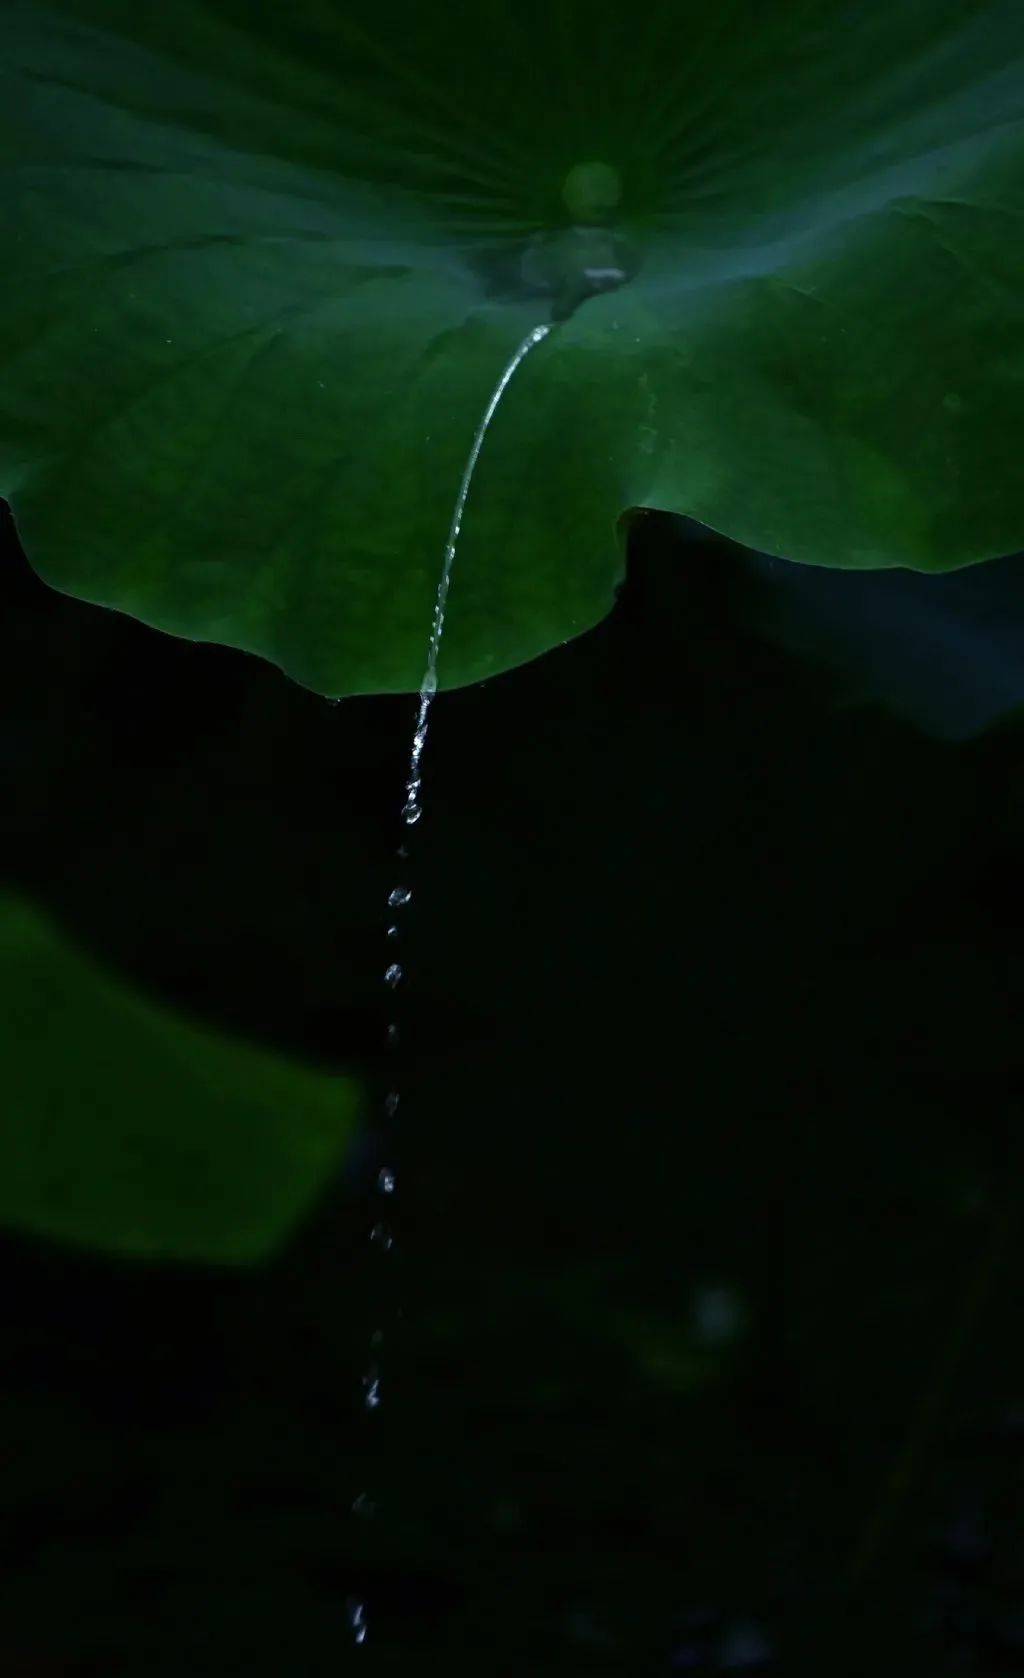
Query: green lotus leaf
{"points": [[265, 265], [131, 1130]]}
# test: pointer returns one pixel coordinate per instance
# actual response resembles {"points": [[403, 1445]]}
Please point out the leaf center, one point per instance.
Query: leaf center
{"points": [[591, 192]]}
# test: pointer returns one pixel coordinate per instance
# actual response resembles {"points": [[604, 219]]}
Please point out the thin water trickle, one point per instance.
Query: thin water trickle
{"points": [[413, 809], [381, 1235]]}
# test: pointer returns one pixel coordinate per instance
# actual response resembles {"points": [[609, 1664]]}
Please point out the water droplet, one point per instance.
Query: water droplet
{"points": [[393, 975], [392, 932], [382, 1237], [371, 1384], [428, 687], [391, 1101], [411, 812], [386, 1180], [357, 1620], [399, 897], [393, 1033]]}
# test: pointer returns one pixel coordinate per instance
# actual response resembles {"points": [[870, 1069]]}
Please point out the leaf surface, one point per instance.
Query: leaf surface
{"points": [[130, 1129], [266, 264]]}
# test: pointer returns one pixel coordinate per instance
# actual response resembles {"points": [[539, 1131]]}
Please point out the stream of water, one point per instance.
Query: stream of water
{"points": [[400, 895], [412, 808]]}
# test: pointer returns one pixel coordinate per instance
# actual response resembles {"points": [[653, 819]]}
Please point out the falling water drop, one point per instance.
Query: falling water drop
{"points": [[391, 1101], [371, 1385], [382, 1237], [393, 974], [398, 898], [357, 1620], [392, 932], [393, 1033], [386, 1180]]}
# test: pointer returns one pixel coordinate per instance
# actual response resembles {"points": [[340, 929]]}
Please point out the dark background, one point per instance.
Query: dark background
{"points": [[701, 1335]]}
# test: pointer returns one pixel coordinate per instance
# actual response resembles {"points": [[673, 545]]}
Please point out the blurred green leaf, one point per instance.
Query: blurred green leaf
{"points": [[130, 1129], [265, 265]]}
